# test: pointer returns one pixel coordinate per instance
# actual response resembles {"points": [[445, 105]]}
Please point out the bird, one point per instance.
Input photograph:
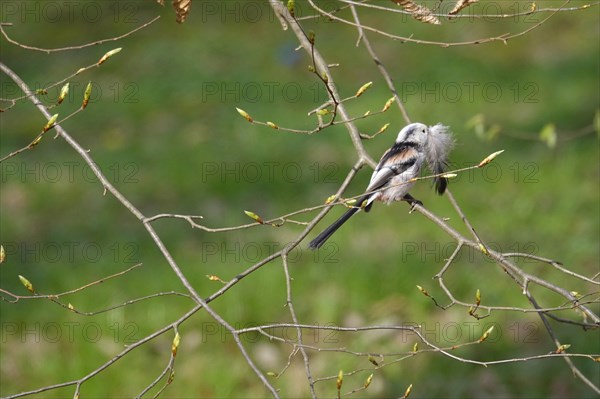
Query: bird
{"points": [[416, 145]]}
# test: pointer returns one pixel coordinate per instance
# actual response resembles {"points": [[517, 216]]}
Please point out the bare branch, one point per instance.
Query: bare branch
{"points": [[76, 47]]}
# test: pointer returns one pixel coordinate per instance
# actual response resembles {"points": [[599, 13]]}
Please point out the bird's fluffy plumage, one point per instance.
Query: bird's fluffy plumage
{"points": [[439, 144]]}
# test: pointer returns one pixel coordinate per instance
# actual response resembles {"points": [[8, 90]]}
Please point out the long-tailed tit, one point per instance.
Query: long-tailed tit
{"points": [[416, 144]]}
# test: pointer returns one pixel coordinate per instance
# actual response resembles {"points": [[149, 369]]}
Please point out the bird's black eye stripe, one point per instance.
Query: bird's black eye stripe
{"points": [[413, 131], [410, 133]]}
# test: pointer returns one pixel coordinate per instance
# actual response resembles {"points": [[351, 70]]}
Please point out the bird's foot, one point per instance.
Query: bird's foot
{"points": [[412, 201]]}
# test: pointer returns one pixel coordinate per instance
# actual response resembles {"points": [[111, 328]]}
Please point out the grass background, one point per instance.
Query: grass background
{"points": [[162, 125]]}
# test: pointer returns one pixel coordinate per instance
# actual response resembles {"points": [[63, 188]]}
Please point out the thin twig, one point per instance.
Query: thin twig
{"points": [[382, 69], [75, 47]]}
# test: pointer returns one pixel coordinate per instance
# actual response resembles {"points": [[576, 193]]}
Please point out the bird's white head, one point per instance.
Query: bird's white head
{"points": [[415, 132]]}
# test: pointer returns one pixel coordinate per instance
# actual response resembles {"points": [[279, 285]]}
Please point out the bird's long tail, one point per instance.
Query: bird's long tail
{"points": [[324, 236]]}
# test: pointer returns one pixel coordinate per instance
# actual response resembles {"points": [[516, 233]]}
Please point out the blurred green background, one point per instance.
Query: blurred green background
{"points": [[163, 127]]}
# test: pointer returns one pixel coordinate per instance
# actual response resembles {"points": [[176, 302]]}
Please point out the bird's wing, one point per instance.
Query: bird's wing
{"points": [[396, 160], [379, 178]]}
